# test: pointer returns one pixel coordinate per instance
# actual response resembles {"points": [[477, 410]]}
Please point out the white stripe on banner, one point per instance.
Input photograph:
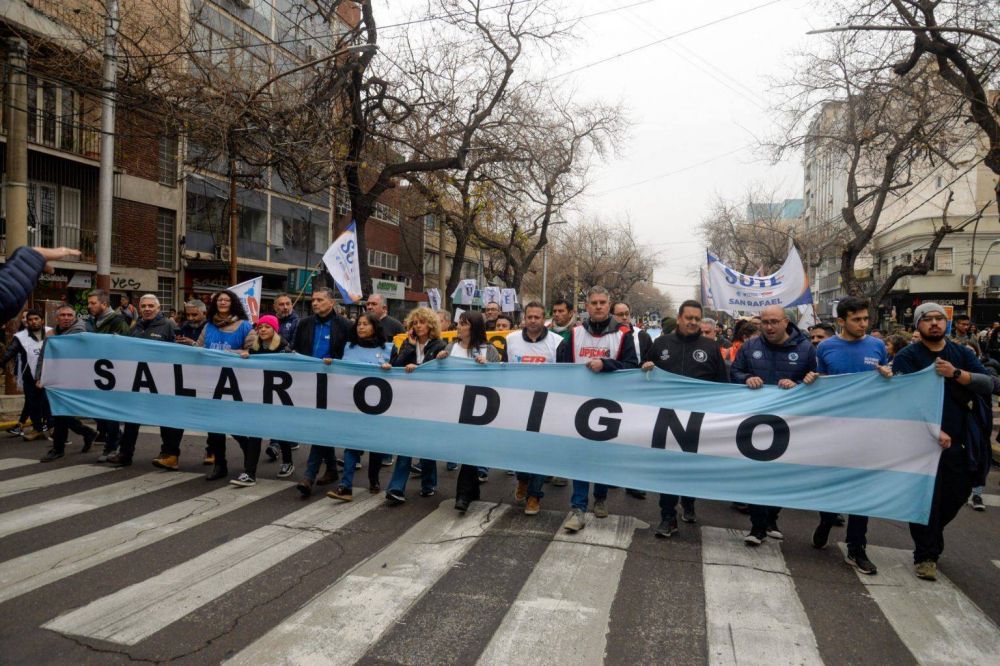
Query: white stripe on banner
{"points": [[23, 484], [563, 609], [64, 507], [751, 604], [810, 447], [14, 463], [34, 570], [139, 611], [341, 623], [935, 620]]}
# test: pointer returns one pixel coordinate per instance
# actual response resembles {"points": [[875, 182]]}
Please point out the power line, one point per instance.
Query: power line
{"points": [[674, 172]]}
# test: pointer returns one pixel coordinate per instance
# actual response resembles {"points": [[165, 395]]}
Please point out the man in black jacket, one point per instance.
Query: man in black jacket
{"points": [[323, 334], [67, 323], [688, 353], [152, 325]]}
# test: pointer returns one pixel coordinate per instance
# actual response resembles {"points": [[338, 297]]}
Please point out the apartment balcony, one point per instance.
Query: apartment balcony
{"points": [[56, 135]]}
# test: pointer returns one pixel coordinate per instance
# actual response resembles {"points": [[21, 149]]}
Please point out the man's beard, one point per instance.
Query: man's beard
{"points": [[931, 337]]}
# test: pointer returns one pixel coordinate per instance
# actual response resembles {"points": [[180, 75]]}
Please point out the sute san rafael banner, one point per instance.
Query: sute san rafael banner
{"points": [[341, 259], [732, 291], [846, 444]]}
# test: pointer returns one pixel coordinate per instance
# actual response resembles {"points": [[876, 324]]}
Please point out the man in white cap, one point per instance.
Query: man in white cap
{"points": [[965, 429]]}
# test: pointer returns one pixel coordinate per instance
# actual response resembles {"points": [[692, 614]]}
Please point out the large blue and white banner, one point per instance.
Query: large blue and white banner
{"points": [[735, 292], [859, 444]]}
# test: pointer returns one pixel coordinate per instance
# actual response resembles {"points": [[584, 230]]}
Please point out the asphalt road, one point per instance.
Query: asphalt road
{"points": [[139, 565]]}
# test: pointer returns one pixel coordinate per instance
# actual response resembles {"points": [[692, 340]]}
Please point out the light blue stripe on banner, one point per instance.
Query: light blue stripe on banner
{"points": [[886, 494], [916, 397]]}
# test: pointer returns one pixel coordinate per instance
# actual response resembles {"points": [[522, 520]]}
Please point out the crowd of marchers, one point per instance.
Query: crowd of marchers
{"points": [[765, 350]]}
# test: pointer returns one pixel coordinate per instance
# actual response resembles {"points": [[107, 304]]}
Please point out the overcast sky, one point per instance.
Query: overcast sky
{"points": [[698, 102]]}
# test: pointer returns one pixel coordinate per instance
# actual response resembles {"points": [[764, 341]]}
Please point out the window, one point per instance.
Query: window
{"points": [[69, 218], [380, 259], [343, 202], [944, 260], [207, 214], [165, 291], [166, 235], [470, 270], [431, 263], [168, 160], [385, 213], [42, 206]]}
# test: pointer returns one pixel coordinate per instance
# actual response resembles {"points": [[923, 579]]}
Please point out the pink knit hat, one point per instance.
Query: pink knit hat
{"points": [[271, 321]]}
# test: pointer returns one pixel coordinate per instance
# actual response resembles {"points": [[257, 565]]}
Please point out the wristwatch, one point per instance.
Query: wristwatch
{"points": [[956, 374]]}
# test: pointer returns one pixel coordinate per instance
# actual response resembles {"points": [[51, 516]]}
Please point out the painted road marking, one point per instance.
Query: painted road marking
{"points": [[341, 623], [14, 463], [563, 609], [23, 484]]}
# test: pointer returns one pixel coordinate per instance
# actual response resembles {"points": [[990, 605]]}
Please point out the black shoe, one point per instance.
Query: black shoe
{"points": [[637, 494], [305, 487], [687, 515], [427, 493], [88, 441], [461, 504], [666, 529], [118, 460], [395, 497], [52, 455], [838, 520], [755, 538], [859, 560], [271, 452], [822, 535], [218, 472]]}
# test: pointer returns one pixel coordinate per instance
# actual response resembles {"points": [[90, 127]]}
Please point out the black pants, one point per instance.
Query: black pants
{"points": [[857, 529], [286, 450], [112, 433], [951, 490], [468, 483], [251, 453], [668, 505], [170, 441], [34, 400], [217, 447], [60, 431]]}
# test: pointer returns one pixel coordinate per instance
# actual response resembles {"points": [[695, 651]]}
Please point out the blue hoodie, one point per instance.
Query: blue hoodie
{"points": [[792, 359]]}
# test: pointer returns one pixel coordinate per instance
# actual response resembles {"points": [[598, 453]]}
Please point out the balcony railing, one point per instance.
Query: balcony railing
{"points": [[76, 138]]}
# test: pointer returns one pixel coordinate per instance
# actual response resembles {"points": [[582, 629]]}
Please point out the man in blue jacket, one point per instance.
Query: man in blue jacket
{"points": [[782, 356]]}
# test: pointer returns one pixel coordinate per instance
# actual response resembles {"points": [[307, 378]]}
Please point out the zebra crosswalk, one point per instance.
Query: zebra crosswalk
{"points": [[428, 585]]}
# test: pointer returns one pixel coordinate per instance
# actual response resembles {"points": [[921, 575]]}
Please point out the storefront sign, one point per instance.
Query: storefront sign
{"points": [[389, 288], [134, 279]]}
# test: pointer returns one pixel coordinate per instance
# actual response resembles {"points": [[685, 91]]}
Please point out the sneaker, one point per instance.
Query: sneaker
{"points": [[342, 493], [666, 528], [559, 482], [271, 452], [305, 487], [859, 560], [755, 538], [166, 462], [461, 504], [977, 503], [388, 461], [926, 570], [295, 447], [687, 515], [483, 477], [357, 466], [427, 493], [244, 480], [532, 506], [838, 520], [822, 535], [209, 459], [451, 467], [415, 470], [52, 455], [521, 493], [395, 497], [16, 431], [340, 462], [118, 460], [600, 509], [774, 532], [286, 470], [88, 441], [576, 521], [636, 494]]}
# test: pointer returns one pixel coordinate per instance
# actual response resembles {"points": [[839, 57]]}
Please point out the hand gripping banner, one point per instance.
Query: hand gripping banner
{"points": [[860, 444]]}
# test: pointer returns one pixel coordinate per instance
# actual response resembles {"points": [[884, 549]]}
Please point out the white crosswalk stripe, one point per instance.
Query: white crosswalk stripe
{"points": [[23, 484], [31, 571], [991, 500], [563, 609], [139, 611], [343, 621], [64, 507], [750, 600], [14, 463], [935, 620]]}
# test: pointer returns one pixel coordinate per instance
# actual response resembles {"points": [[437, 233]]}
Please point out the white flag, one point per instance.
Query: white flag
{"points": [[434, 299], [491, 295], [249, 294], [508, 299], [341, 259], [464, 293]]}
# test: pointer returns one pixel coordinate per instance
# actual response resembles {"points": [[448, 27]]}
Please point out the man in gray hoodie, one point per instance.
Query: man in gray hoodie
{"points": [[67, 323]]}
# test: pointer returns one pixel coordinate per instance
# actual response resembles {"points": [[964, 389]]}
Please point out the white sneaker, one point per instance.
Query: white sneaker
{"points": [[244, 480], [286, 470], [576, 521]]}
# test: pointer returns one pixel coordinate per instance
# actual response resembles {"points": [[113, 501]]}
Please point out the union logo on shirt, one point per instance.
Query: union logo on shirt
{"points": [[532, 359], [595, 352]]}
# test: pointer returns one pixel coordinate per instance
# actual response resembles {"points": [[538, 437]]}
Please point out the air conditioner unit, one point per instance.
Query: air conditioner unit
{"points": [[222, 253]]}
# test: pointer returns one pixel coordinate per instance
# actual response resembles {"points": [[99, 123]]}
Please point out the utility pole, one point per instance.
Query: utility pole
{"points": [[234, 217], [16, 112], [970, 279], [105, 189]]}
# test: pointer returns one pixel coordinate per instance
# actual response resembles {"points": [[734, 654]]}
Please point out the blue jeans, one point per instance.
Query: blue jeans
{"points": [[351, 458], [401, 473], [535, 483], [581, 492], [319, 455]]}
